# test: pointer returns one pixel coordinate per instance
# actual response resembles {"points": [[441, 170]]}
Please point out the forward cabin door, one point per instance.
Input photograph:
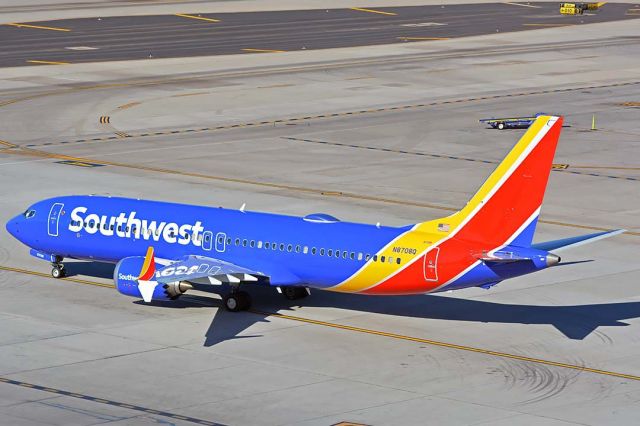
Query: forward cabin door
{"points": [[54, 219], [431, 264], [221, 242]]}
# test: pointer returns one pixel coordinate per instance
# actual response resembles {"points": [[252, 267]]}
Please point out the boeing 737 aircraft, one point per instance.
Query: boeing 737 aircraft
{"points": [[163, 250]]}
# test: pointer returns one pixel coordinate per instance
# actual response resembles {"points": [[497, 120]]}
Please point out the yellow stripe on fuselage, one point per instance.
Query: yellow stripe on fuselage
{"points": [[428, 234]]}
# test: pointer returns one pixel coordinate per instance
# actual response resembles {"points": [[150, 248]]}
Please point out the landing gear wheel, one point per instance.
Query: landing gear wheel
{"points": [[295, 293], [58, 272], [237, 301], [500, 126]]}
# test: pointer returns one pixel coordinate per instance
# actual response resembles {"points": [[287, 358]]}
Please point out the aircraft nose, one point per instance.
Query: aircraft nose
{"points": [[13, 227]]}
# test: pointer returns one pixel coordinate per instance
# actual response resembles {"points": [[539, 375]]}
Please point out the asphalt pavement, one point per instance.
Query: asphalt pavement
{"points": [[183, 35]]}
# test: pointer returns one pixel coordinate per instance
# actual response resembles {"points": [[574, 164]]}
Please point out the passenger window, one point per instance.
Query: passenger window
{"points": [[206, 238], [305, 250], [382, 259], [321, 252], [390, 259], [259, 244], [297, 249], [329, 252], [237, 241], [367, 257], [398, 260], [289, 247], [274, 246], [353, 255], [313, 250], [338, 254], [244, 243], [375, 257], [359, 256], [252, 243], [266, 245], [345, 254], [228, 241], [281, 247]]}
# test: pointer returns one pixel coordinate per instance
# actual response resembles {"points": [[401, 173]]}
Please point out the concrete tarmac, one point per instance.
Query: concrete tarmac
{"points": [[559, 347]]}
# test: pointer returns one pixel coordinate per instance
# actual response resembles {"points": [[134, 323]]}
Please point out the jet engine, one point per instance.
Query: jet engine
{"points": [[126, 278]]}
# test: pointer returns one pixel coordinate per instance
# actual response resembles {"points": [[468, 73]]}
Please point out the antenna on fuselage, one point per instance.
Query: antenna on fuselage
{"points": [[242, 207], [378, 225]]}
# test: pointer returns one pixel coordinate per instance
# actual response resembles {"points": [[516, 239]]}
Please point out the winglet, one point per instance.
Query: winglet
{"points": [[145, 285], [149, 266]]}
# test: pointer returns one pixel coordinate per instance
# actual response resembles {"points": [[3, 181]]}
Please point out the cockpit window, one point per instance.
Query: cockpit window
{"points": [[29, 213]]}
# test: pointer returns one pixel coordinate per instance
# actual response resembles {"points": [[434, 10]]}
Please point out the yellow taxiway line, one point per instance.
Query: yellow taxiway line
{"points": [[380, 333], [360, 9], [453, 346], [263, 51], [47, 62], [38, 27], [184, 15]]}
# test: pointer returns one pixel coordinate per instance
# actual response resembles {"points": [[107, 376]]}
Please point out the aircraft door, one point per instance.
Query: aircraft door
{"points": [[207, 240], [431, 264], [54, 217], [221, 242]]}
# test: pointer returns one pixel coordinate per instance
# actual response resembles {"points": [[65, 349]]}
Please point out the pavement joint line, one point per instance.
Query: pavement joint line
{"points": [[108, 402], [286, 187], [556, 167], [263, 50], [342, 327], [38, 27], [380, 12], [200, 18]]}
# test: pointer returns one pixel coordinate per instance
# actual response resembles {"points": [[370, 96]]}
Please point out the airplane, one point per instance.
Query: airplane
{"points": [[163, 250]]}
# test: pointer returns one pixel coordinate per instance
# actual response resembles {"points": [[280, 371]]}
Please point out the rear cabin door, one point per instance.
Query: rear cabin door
{"points": [[431, 264], [54, 218]]}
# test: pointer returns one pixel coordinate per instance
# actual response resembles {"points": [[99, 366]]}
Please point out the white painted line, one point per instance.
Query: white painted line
{"points": [[523, 5], [423, 24], [81, 48]]}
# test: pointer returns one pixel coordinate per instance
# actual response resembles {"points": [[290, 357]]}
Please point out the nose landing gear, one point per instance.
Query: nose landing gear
{"points": [[58, 270]]}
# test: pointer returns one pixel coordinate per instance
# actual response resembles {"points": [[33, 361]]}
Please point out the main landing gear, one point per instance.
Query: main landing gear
{"points": [[237, 301], [295, 293], [58, 270]]}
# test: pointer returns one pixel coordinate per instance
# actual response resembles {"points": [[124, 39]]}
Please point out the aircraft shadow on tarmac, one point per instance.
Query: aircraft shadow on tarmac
{"points": [[575, 322]]}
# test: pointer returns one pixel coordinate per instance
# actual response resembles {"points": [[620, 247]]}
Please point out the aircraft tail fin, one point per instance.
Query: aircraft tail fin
{"points": [[565, 243], [506, 207]]}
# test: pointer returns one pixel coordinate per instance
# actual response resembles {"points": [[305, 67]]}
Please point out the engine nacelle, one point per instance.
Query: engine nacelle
{"points": [[125, 277]]}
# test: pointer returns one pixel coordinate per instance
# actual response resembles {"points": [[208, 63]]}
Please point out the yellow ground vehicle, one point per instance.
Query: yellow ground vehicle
{"points": [[578, 8]]}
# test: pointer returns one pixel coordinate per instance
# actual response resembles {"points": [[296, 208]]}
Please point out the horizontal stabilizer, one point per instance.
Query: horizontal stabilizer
{"points": [[501, 257], [565, 243]]}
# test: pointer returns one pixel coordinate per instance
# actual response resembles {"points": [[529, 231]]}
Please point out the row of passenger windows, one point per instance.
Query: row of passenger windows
{"points": [[272, 246], [344, 254]]}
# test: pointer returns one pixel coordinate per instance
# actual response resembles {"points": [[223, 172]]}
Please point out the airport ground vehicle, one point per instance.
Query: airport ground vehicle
{"points": [[512, 122]]}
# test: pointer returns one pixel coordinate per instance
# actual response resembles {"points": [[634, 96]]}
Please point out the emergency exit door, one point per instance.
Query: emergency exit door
{"points": [[431, 264]]}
